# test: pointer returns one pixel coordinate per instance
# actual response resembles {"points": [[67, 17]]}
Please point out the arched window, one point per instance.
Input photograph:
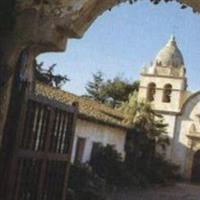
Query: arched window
{"points": [[151, 91], [167, 93]]}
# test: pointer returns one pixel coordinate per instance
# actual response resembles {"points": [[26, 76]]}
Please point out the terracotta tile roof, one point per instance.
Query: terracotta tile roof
{"points": [[88, 109]]}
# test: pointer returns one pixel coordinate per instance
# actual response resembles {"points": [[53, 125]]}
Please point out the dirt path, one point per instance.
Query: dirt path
{"points": [[176, 192]]}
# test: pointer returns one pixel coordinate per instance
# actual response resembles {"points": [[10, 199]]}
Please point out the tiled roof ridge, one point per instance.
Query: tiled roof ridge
{"points": [[89, 108]]}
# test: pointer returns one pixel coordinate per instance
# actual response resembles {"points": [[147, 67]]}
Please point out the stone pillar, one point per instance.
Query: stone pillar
{"points": [[9, 54], [30, 31]]}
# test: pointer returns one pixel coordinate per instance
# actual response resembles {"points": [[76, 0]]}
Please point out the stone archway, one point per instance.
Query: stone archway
{"points": [[195, 175], [45, 26], [41, 26]]}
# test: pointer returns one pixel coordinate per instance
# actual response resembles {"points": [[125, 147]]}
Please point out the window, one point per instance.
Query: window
{"points": [[151, 91], [80, 146], [95, 148], [167, 93]]}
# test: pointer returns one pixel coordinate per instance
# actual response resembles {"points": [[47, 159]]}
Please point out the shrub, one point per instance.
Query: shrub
{"points": [[108, 164], [162, 171], [109, 170], [140, 172], [85, 183]]}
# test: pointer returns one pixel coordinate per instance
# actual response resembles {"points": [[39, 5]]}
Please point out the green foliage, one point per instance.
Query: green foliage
{"points": [[162, 171], [145, 121], [94, 88], [112, 91], [48, 77], [150, 123], [149, 166], [156, 2], [130, 109], [147, 134], [107, 163], [86, 184], [117, 90]]}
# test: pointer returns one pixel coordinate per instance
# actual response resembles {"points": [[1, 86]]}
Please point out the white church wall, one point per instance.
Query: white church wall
{"points": [[94, 132], [184, 147], [180, 144]]}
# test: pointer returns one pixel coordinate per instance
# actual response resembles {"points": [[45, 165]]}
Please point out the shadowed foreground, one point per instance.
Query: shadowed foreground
{"points": [[177, 192]]}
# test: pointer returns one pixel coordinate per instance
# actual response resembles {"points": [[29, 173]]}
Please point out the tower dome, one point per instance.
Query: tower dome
{"points": [[170, 55]]}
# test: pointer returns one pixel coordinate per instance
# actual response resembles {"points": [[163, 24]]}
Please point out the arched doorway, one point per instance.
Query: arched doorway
{"points": [[196, 168]]}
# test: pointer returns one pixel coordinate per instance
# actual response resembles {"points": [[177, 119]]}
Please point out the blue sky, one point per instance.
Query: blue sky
{"points": [[120, 42]]}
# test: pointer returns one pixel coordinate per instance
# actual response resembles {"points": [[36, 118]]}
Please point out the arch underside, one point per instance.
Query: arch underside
{"points": [[80, 14]]}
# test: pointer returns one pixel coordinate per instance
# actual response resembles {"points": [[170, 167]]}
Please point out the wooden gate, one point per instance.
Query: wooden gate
{"points": [[40, 163]]}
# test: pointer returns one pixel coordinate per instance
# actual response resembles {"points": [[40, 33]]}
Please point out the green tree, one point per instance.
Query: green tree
{"points": [[112, 91], [95, 88], [108, 164], [148, 130], [130, 108], [117, 90], [47, 76], [85, 183], [141, 116]]}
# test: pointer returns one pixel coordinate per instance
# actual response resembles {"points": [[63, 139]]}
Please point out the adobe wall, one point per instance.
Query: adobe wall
{"points": [[103, 134]]}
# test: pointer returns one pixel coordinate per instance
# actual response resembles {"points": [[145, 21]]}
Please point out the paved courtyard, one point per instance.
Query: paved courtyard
{"points": [[176, 192]]}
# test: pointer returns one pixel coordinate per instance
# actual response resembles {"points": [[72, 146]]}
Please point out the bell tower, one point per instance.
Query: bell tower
{"points": [[164, 83]]}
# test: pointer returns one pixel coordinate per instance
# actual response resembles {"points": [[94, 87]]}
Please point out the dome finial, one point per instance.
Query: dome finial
{"points": [[172, 40]]}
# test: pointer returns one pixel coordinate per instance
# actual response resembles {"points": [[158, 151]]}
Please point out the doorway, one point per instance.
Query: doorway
{"points": [[196, 168]]}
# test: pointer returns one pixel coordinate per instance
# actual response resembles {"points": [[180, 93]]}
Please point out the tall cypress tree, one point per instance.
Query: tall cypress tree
{"points": [[95, 88]]}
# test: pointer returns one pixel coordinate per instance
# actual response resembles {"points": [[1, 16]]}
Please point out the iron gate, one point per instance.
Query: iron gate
{"points": [[40, 164]]}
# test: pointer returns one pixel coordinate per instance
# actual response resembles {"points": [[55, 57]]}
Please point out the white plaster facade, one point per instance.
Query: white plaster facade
{"points": [[187, 134], [181, 111], [101, 133]]}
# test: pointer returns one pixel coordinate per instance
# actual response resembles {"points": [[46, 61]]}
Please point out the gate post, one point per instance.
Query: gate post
{"points": [[22, 84], [65, 191]]}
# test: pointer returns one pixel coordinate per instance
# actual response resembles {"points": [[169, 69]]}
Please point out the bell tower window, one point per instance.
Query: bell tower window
{"points": [[151, 91], [167, 93]]}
